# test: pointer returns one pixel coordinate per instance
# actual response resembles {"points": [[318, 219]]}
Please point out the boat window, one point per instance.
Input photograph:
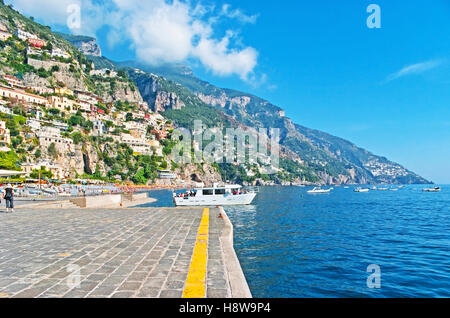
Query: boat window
{"points": [[220, 191], [208, 192]]}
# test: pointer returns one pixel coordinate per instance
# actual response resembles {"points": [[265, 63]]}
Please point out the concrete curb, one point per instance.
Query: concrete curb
{"points": [[238, 283]]}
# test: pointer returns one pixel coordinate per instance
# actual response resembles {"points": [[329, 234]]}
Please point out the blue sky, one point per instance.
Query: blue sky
{"points": [[386, 90]]}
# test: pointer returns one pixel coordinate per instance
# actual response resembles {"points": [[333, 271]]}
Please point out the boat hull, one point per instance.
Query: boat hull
{"points": [[216, 200]]}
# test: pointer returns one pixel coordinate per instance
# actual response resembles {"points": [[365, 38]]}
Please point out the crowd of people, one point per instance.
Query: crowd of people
{"points": [[191, 193]]}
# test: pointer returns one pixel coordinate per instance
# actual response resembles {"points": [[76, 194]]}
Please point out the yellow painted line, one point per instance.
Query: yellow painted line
{"points": [[3, 295], [196, 280]]}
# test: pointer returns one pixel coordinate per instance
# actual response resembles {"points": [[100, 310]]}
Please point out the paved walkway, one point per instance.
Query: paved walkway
{"points": [[142, 252]]}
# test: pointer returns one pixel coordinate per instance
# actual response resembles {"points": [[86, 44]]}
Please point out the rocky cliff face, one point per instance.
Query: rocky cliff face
{"points": [[194, 174], [89, 48], [153, 93], [225, 101], [70, 79], [166, 100]]}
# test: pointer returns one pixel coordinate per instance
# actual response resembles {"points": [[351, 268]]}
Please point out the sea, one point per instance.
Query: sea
{"points": [[344, 244]]}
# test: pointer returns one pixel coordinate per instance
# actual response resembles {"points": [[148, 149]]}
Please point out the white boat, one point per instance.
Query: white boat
{"points": [[216, 196], [435, 189], [319, 190], [361, 190]]}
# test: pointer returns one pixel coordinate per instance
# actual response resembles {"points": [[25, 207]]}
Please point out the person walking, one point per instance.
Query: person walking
{"points": [[9, 198]]}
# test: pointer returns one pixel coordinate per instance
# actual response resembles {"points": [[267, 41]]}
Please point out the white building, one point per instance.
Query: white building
{"points": [[23, 35], [4, 35], [104, 72], [99, 128], [33, 124], [49, 135], [5, 110], [5, 139], [139, 145], [42, 90], [63, 104], [22, 96], [57, 170], [56, 52]]}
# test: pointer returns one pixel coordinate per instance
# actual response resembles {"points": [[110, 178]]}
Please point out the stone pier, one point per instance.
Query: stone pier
{"points": [[141, 252]]}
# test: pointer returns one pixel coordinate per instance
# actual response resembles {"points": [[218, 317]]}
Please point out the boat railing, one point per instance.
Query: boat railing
{"points": [[252, 189]]}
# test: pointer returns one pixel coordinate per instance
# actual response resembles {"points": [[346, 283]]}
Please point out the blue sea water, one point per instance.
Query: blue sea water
{"points": [[293, 244]]}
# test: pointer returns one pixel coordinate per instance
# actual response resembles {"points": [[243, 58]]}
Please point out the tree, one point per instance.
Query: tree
{"points": [[8, 160], [53, 111], [129, 117], [52, 150], [55, 68], [139, 177], [122, 74], [44, 173]]}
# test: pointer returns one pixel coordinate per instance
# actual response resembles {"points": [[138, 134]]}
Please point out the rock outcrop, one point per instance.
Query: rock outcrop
{"points": [[88, 47]]}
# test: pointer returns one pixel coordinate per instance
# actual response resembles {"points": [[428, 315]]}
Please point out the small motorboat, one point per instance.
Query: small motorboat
{"points": [[319, 191], [361, 190], [435, 189]]}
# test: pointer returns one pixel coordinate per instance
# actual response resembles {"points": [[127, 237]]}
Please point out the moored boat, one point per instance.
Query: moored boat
{"points": [[319, 190], [361, 190], [435, 189], [216, 196]]}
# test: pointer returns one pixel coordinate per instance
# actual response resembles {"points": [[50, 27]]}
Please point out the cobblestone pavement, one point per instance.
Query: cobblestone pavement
{"points": [[143, 252]]}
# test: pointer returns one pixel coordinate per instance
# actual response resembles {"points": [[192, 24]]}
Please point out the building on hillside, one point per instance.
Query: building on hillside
{"points": [[99, 128], [14, 81], [23, 35], [33, 124], [141, 128], [139, 145], [4, 35], [144, 106], [63, 104], [64, 91], [5, 110], [37, 42], [87, 97], [87, 107], [55, 169], [49, 135], [34, 51], [5, 138], [166, 174], [62, 126], [42, 90], [22, 96], [103, 72], [60, 53]]}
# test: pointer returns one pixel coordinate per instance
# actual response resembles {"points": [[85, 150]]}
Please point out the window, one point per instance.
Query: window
{"points": [[208, 192], [220, 191]]}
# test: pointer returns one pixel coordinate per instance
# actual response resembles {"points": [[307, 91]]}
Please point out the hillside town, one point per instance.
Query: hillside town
{"points": [[52, 119]]}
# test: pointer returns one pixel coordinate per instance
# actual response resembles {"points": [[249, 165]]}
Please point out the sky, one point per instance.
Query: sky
{"points": [[385, 89]]}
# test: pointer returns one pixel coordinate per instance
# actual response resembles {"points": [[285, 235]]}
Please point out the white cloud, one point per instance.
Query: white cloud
{"points": [[238, 14], [160, 31], [414, 69]]}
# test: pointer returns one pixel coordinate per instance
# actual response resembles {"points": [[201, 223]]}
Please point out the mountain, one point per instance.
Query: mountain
{"points": [[307, 155], [86, 44]]}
